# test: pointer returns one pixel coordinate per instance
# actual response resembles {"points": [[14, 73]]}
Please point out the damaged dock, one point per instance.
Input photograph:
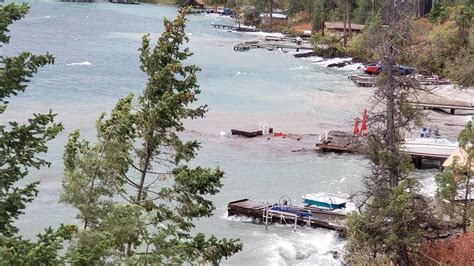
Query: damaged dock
{"points": [[340, 141], [267, 213], [251, 131]]}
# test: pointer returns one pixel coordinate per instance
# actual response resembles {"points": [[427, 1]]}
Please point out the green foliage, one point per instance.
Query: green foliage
{"points": [[9, 14], [20, 146], [443, 47], [328, 45], [454, 185], [366, 9], [463, 17], [380, 233], [295, 6], [365, 45], [391, 208], [461, 69], [321, 11], [439, 12], [17, 251], [135, 194]]}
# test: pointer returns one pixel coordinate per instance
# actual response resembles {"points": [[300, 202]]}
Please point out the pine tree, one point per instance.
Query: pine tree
{"points": [[439, 12], [20, 146], [454, 183], [388, 227], [135, 194]]}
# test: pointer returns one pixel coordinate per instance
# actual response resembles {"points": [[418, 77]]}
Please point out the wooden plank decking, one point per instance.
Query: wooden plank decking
{"points": [[340, 141], [451, 106]]}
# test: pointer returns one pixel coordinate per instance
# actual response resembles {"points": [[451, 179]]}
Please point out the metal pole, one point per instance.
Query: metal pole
{"points": [[266, 219]]}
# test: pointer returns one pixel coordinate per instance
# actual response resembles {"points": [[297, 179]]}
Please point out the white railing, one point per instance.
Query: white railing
{"points": [[264, 127]]}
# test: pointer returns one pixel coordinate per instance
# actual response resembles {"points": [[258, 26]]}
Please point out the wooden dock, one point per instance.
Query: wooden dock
{"points": [[364, 81], [346, 142], [340, 141], [284, 43], [371, 81], [451, 106], [270, 213], [252, 130], [234, 28]]}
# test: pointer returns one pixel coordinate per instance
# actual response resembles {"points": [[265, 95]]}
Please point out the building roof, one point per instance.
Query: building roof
{"points": [[340, 26], [274, 15], [461, 158]]}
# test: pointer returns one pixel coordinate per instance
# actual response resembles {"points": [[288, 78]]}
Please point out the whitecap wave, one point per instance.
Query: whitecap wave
{"points": [[352, 67], [235, 218], [85, 63], [313, 248], [313, 59], [336, 60], [299, 68]]}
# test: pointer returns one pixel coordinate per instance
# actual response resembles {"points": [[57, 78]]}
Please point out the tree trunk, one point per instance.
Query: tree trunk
{"points": [[349, 15], [390, 93], [271, 15], [141, 184], [467, 203], [344, 34]]}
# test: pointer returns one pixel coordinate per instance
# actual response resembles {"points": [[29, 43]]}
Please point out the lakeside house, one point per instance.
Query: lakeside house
{"points": [[196, 4], [339, 27]]}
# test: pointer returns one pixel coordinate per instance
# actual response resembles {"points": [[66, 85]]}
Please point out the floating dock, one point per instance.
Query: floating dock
{"points": [[340, 141], [253, 131], [270, 213]]}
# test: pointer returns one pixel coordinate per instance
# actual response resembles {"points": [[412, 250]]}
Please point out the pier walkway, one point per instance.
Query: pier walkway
{"points": [[447, 105]]}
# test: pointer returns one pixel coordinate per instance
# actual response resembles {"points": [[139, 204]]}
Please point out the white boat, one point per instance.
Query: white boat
{"points": [[436, 147]]}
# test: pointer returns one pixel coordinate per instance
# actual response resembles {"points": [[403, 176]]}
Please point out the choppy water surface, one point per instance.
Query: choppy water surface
{"points": [[96, 45]]}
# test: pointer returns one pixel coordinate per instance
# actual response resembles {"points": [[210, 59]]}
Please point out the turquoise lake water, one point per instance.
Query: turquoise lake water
{"points": [[96, 50]]}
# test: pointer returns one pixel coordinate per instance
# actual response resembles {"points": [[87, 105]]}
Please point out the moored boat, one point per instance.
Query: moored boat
{"points": [[436, 147], [325, 200]]}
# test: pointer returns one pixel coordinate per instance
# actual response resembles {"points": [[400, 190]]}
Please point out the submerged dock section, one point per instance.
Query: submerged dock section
{"points": [[253, 131], [267, 213]]}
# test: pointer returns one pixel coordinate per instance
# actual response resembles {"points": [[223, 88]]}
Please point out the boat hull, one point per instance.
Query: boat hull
{"points": [[323, 204], [435, 150]]}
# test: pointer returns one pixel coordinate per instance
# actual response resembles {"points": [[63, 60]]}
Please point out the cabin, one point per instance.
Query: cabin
{"points": [[277, 17], [339, 27], [196, 4]]}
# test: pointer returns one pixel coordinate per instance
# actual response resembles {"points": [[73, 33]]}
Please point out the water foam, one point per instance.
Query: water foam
{"points": [[336, 60], [299, 68], [315, 247], [235, 218], [85, 63]]}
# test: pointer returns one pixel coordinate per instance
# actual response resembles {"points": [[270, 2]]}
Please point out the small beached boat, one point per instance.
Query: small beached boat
{"points": [[325, 200]]}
